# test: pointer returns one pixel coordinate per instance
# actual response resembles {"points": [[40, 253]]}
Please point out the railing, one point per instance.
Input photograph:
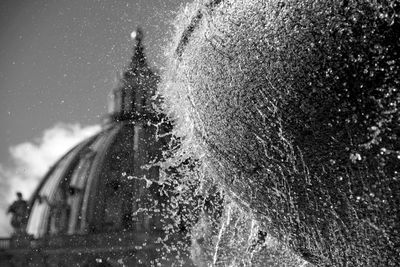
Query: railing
{"points": [[5, 243], [62, 250], [102, 241]]}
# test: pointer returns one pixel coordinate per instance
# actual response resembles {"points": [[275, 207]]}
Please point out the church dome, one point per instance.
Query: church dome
{"points": [[103, 199], [99, 185]]}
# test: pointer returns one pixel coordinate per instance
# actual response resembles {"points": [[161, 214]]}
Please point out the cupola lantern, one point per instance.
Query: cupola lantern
{"points": [[131, 99]]}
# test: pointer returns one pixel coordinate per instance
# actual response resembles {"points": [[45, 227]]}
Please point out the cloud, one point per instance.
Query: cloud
{"points": [[31, 160]]}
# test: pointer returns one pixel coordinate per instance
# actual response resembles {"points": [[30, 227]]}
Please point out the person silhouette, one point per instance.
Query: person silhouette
{"points": [[19, 210]]}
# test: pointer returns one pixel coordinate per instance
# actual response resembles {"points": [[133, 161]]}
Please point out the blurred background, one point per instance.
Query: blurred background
{"points": [[59, 61]]}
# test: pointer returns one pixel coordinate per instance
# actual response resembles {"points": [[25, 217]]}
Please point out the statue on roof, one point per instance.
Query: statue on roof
{"points": [[19, 211]]}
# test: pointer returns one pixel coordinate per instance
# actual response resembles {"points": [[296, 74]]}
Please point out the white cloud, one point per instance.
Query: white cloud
{"points": [[31, 160]]}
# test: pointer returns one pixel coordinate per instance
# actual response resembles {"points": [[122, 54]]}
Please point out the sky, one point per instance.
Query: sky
{"points": [[59, 59]]}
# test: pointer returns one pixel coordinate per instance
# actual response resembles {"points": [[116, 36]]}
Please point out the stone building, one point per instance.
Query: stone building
{"points": [[102, 203]]}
